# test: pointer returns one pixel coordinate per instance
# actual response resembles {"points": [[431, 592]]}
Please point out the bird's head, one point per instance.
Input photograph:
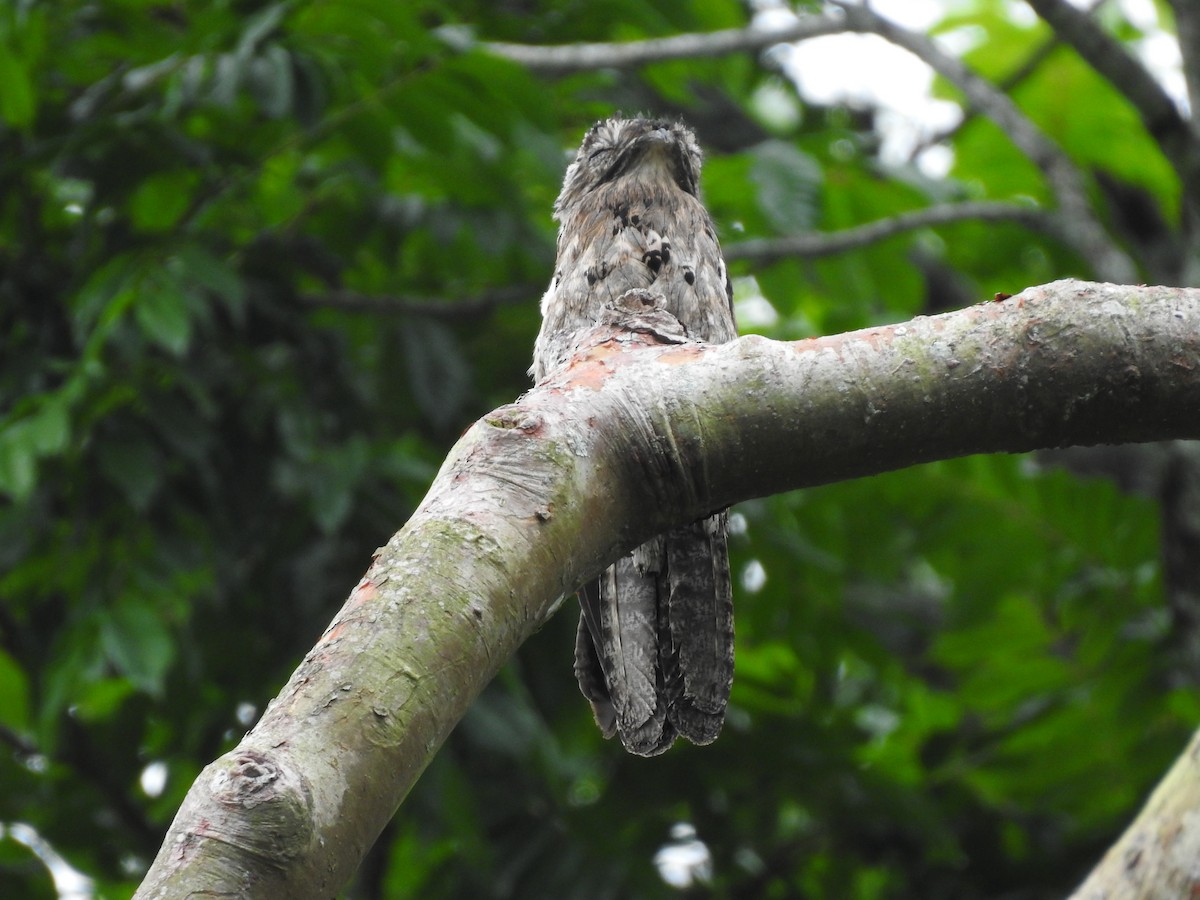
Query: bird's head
{"points": [[639, 148]]}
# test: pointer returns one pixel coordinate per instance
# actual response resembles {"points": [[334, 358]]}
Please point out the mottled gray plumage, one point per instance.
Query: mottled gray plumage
{"points": [[654, 651]]}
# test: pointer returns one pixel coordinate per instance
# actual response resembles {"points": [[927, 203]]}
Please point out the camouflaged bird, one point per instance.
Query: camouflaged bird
{"points": [[654, 651]]}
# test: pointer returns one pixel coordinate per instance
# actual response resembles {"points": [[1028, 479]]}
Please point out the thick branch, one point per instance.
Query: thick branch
{"points": [[633, 437], [816, 244]]}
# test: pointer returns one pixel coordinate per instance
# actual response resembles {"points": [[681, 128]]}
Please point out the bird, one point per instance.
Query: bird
{"points": [[654, 646]]}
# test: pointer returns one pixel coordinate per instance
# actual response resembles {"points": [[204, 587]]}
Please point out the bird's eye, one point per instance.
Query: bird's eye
{"points": [[599, 151]]}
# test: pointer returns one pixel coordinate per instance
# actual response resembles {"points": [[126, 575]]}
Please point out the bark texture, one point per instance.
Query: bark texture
{"points": [[632, 438], [1158, 857]]}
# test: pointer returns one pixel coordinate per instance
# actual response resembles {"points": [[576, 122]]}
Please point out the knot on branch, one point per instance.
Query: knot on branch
{"points": [[267, 807], [249, 774]]}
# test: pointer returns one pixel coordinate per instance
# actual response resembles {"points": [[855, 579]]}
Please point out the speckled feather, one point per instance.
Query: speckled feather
{"points": [[654, 651]]}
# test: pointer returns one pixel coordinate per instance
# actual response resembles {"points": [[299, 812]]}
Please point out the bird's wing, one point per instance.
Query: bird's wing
{"points": [[589, 671], [628, 650], [697, 649]]}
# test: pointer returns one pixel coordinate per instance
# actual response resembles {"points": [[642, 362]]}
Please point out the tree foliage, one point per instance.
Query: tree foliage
{"points": [[260, 264]]}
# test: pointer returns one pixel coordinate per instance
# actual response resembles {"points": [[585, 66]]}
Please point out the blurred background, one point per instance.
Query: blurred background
{"points": [[262, 263]]}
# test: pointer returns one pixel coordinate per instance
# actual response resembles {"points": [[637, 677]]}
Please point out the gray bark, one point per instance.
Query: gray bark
{"points": [[1156, 857], [544, 493]]}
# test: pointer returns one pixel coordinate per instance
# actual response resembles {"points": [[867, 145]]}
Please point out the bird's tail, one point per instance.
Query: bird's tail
{"points": [[696, 645], [654, 653]]}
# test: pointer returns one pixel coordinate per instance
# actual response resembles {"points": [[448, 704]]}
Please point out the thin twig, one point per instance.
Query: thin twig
{"points": [[1087, 236], [813, 245], [1187, 28], [438, 308], [562, 58], [1178, 138], [760, 250], [1109, 57], [1016, 77]]}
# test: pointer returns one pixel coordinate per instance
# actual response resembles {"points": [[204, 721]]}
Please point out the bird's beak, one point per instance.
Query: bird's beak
{"points": [[656, 141], [662, 144]]}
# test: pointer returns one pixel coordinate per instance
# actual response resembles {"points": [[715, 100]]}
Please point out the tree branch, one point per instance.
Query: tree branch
{"points": [[817, 244], [763, 250], [1187, 27], [1084, 233], [1176, 137], [461, 308], [1014, 78], [1087, 236], [1109, 57], [1156, 856], [631, 438], [565, 58]]}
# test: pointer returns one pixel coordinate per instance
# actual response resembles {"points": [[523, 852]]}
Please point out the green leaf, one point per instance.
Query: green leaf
{"points": [[412, 861], [789, 186], [135, 466], [278, 197], [161, 200], [340, 470], [259, 26], [14, 694], [437, 367], [163, 313], [17, 99], [215, 275], [42, 432], [98, 700], [271, 81], [49, 428], [92, 306], [138, 643], [18, 461]]}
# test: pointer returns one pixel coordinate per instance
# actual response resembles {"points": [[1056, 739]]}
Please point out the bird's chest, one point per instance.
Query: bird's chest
{"points": [[629, 239], [633, 234]]}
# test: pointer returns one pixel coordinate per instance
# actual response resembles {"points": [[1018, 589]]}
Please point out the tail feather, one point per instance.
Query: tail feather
{"points": [[654, 651], [697, 647], [590, 673], [629, 654]]}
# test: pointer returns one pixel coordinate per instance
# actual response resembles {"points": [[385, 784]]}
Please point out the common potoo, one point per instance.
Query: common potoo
{"points": [[654, 651]]}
